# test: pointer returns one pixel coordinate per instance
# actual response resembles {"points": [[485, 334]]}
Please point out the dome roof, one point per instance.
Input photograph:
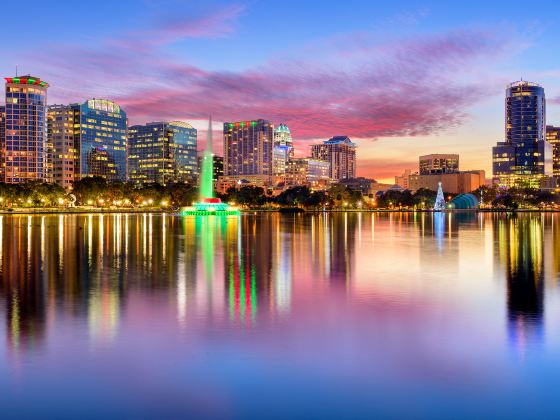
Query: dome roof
{"points": [[282, 128], [464, 201]]}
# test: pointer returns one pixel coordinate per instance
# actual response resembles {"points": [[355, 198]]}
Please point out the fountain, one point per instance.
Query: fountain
{"points": [[208, 204]]}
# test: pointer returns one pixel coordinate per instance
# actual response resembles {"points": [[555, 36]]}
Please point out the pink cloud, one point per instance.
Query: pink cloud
{"points": [[353, 84], [408, 89]]}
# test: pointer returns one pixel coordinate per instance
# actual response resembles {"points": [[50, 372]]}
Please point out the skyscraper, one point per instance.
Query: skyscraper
{"points": [[282, 151], [522, 159], [60, 124], [553, 137], [24, 143], [92, 135], [340, 152], [248, 148], [162, 152], [2, 134]]}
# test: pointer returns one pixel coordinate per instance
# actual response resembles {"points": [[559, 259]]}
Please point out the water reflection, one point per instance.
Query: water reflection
{"points": [[520, 249], [231, 268], [375, 292]]}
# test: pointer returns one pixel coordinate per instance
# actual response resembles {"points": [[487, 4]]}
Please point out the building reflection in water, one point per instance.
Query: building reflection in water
{"points": [[520, 250], [232, 269]]}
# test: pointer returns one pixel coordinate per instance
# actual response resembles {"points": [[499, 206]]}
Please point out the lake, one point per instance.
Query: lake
{"points": [[272, 316]]}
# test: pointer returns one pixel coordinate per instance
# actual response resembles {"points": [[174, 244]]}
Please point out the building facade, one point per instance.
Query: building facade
{"points": [[553, 138], [313, 173], [102, 140], [452, 183], [403, 180], [282, 151], [340, 152], [248, 148], [62, 141], [438, 164], [525, 157], [24, 143], [2, 134], [162, 152], [88, 139]]}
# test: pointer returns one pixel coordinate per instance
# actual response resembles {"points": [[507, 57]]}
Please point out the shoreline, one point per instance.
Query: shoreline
{"points": [[28, 211]]}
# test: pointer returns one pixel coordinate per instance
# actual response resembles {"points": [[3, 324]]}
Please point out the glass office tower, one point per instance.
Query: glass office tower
{"points": [[162, 152], [102, 140], [88, 139], [24, 143], [525, 157]]}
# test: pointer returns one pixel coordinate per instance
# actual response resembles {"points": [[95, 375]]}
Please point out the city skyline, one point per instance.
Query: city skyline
{"points": [[384, 90]]}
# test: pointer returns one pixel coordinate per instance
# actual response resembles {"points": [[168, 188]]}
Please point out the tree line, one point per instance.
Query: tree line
{"points": [[97, 192]]}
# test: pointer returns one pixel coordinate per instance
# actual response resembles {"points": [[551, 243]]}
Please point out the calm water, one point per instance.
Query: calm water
{"points": [[315, 316]]}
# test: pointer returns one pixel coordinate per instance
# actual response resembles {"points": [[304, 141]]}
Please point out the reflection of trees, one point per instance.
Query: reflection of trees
{"points": [[85, 265]]}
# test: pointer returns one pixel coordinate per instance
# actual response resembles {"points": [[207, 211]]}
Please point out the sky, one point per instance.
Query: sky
{"points": [[401, 78]]}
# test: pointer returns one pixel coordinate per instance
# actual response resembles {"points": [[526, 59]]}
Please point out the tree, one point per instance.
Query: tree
{"points": [[90, 189], [317, 199], [248, 195], [424, 197], [182, 194], [294, 196]]}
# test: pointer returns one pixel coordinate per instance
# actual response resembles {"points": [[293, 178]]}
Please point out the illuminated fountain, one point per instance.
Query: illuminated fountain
{"points": [[208, 204]]}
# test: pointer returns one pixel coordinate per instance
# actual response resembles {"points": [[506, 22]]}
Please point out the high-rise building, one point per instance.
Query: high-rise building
{"points": [[340, 152], [60, 123], [553, 137], [248, 148], [524, 158], [283, 137], [93, 135], [438, 164], [2, 134], [162, 152], [102, 140], [282, 151], [24, 143]]}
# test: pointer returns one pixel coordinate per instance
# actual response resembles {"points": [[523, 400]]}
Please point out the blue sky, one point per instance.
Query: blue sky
{"points": [[403, 78]]}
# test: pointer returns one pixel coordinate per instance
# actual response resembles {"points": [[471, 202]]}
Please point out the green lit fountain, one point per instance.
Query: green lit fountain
{"points": [[208, 205]]}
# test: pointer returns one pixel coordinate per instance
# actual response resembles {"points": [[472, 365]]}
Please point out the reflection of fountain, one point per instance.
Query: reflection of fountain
{"points": [[208, 204]]}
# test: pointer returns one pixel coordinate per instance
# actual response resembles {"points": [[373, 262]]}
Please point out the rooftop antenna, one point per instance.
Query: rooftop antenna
{"points": [[16, 69]]}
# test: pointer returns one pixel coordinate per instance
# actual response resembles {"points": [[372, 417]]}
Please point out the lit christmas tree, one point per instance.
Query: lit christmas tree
{"points": [[440, 200]]}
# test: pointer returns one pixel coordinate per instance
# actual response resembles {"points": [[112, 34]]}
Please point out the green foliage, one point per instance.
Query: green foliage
{"points": [[294, 196], [31, 194], [393, 198], [342, 196], [247, 196]]}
